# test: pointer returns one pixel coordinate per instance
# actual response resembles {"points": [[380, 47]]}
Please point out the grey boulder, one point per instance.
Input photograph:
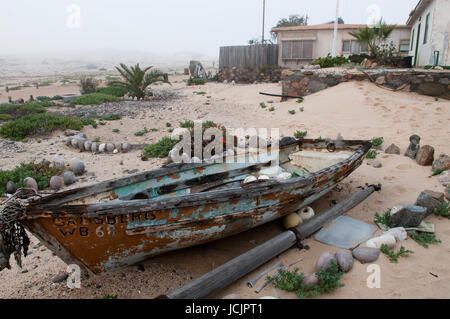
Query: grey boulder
{"points": [[69, 178], [10, 187], [430, 200], [392, 149], [366, 254], [345, 260], [407, 216], [324, 262]]}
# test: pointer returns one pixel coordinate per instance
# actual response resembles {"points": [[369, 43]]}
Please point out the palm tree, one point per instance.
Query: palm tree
{"points": [[373, 36], [136, 80]]}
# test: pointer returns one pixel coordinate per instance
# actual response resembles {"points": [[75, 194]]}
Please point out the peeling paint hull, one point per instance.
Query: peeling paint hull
{"points": [[104, 227]]}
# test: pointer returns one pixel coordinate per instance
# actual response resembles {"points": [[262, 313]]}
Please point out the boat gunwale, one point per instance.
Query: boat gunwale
{"points": [[257, 189]]}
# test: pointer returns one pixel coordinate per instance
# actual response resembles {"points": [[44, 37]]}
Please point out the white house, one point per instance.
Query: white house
{"points": [[430, 31], [303, 44]]}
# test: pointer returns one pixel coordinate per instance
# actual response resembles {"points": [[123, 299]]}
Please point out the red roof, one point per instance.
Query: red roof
{"points": [[326, 27]]}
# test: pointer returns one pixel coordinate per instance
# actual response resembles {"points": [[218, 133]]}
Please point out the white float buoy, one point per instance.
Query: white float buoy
{"points": [[377, 242], [306, 213]]}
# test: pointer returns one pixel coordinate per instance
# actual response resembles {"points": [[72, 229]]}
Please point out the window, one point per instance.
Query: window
{"points": [[404, 45], [425, 37], [298, 49], [353, 47], [412, 40]]}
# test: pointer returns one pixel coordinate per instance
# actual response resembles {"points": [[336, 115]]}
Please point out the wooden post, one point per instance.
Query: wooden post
{"points": [[238, 267]]}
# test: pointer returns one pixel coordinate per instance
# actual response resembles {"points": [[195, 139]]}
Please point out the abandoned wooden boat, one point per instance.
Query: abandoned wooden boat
{"points": [[113, 224]]}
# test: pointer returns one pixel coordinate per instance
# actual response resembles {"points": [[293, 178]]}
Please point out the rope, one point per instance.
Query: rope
{"points": [[13, 237]]}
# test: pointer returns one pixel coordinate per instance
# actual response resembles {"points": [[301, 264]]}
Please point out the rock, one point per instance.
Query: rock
{"points": [[233, 296], [442, 163], [392, 149], [447, 192], [10, 187], [311, 280], [407, 216], [109, 147], [430, 200], [287, 140], [374, 163], [71, 132], [60, 278], [80, 144], [58, 162], [81, 135], [413, 147], [73, 162], [325, 260], [30, 182], [94, 147], [69, 141], [126, 147], [79, 169], [366, 254], [344, 260], [56, 183], [425, 155], [87, 146], [291, 221], [69, 178], [141, 267], [102, 148], [444, 178], [74, 142], [45, 162], [118, 146], [431, 89]]}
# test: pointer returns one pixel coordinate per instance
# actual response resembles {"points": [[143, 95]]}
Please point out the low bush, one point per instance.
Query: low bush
{"points": [[330, 61], [159, 149], [37, 124], [196, 81], [88, 85], [16, 111], [358, 58], [94, 98], [40, 172], [113, 90]]}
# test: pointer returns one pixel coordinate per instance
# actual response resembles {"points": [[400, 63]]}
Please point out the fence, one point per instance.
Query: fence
{"points": [[248, 56]]}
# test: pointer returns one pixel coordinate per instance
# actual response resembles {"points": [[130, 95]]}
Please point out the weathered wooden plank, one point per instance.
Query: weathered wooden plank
{"points": [[254, 56]]}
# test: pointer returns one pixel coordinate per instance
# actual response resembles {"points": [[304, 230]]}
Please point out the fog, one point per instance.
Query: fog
{"points": [[67, 33]]}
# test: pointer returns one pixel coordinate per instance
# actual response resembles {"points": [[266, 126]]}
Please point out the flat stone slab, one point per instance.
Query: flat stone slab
{"points": [[345, 232]]}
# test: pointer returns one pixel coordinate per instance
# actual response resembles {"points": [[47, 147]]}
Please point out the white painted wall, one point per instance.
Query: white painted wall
{"points": [[324, 42], [438, 34]]}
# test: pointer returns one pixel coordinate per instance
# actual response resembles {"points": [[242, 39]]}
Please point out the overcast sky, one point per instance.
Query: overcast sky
{"points": [[164, 26]]}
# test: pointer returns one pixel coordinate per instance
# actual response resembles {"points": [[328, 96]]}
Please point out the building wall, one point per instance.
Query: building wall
{"points": [[323, 42], [438, 34]]}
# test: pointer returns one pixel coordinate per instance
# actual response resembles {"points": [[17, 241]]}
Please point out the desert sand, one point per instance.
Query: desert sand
{"points": [[356, 110]]}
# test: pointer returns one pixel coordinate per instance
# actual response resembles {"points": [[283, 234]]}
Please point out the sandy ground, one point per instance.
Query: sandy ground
{"points": [[356, 110]]}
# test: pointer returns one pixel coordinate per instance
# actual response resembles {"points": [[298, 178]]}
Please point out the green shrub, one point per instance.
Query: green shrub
{"points": [[330, 61], [113, 90], [5, 117], [358, 58], [271, 109], [142, 132], [111, 117], [195, 81], [371, 154], [292, 112], [300, 134], [89, 121], [88, 85], [38, 124], [423, 239], [20, 110], [394, 256], [43, 99], [443, 210], [159, 149], [57, 97], [40, 172], [94, 98]]}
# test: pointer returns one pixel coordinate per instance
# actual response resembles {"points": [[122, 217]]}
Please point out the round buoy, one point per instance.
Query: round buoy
{"points": [[292, 220], [306, 213]]}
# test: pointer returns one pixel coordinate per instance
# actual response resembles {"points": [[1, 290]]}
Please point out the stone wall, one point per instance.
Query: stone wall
{"points": [[427, 82], [249, 75]]}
